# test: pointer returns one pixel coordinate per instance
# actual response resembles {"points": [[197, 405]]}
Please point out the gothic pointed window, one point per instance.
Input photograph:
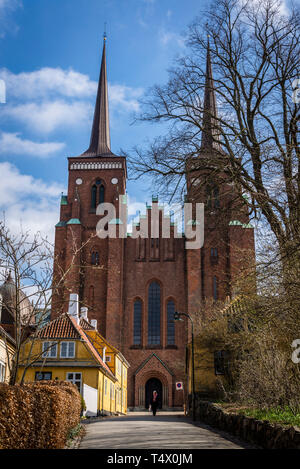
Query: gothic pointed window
{"points": [[214, 255], [95, 258], [94, 198], [137, 322], [154, 306], [101, 194], [212, 197], [215, 288], [216, 196], [170, 323]]}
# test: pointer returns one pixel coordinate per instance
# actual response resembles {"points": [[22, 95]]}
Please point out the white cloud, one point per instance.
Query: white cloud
{"points": [[48, 81], [13, 144], [52, 98], [48, 116], [170, 38], [9, 5], [124, 98], [283, 7], [28, 201], [6, 8]]}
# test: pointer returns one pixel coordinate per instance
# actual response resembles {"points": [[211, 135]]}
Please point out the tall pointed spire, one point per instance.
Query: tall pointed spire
{"points": [[100, 137], [210, 113]]}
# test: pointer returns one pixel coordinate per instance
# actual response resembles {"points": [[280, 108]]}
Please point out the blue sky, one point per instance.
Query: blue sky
{"points": [[50, 52]]}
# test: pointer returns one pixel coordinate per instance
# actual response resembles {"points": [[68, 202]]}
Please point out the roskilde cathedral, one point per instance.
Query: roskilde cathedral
{"points": [[132, 287]]}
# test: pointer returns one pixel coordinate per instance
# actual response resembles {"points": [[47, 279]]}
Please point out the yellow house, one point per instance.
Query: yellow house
{"points": [[62, 350], [210, 368], [117, 364], [7, 351], [211, 363]]}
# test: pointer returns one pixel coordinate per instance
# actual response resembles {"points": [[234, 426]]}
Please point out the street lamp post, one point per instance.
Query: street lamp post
{"points": [[177, 317]]}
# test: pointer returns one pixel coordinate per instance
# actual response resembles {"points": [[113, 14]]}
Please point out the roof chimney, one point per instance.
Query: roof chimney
{"points": [[94, 323], [74, 306], [84, 313]]}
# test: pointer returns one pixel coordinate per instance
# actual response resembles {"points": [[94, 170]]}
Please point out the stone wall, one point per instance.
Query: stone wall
{"points": [[259, 432]]}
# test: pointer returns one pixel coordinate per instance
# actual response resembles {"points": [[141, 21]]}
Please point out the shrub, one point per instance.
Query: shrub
{"points": [[38, 415]]}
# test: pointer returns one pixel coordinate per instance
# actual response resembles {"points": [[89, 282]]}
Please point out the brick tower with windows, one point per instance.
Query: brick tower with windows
{"points": [[132, 286]]}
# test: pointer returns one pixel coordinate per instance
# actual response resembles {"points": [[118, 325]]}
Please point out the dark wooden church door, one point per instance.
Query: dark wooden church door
{"points": [[153, 384]]}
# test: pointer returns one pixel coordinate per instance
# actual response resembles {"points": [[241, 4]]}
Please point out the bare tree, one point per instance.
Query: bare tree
{"points": [[26, 265], [254, 51]]}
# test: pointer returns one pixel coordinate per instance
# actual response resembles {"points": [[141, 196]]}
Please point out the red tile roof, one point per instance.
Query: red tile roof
{"points": [[66, 327], [85, 325], [60, 328]]}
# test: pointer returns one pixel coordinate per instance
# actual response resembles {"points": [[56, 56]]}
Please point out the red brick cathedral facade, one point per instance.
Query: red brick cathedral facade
{"points": [[132, 287]]}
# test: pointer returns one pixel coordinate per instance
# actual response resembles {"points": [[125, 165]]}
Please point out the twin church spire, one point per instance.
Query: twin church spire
{"points": [[210, 133], [100, 136]]}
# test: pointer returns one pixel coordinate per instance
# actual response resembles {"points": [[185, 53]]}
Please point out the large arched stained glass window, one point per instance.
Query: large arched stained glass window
{"points": [[137, 322], [154, 314], [170, 323]]}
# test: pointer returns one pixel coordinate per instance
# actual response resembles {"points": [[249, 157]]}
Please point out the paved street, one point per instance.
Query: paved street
{"points": [[140, 430]]}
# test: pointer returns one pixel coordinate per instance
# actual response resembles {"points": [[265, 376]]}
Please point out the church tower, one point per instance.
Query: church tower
{"points": [[91, 266], [228, 235]]}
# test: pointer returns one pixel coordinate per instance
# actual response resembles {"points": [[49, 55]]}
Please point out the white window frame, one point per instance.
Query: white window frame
{"points": [[68, 350], [48, 353], [2, 372], [107, 359], [74, 379]]}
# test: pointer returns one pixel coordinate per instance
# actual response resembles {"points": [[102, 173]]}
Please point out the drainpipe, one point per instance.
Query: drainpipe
{"points": [[102, 393], [122, 388]]}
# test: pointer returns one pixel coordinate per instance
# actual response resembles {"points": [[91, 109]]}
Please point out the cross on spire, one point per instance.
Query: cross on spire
{"points": [[100, 137]]}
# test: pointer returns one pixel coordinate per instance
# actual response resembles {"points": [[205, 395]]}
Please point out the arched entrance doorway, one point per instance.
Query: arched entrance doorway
{"points": [[153, 384]]}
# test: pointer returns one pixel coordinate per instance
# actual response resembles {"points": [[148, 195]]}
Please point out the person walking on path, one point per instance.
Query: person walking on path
{"points": [[154, 402]]}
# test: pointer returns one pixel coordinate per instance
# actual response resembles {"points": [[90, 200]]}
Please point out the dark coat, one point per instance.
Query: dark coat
{"points": [[154, 403]]}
